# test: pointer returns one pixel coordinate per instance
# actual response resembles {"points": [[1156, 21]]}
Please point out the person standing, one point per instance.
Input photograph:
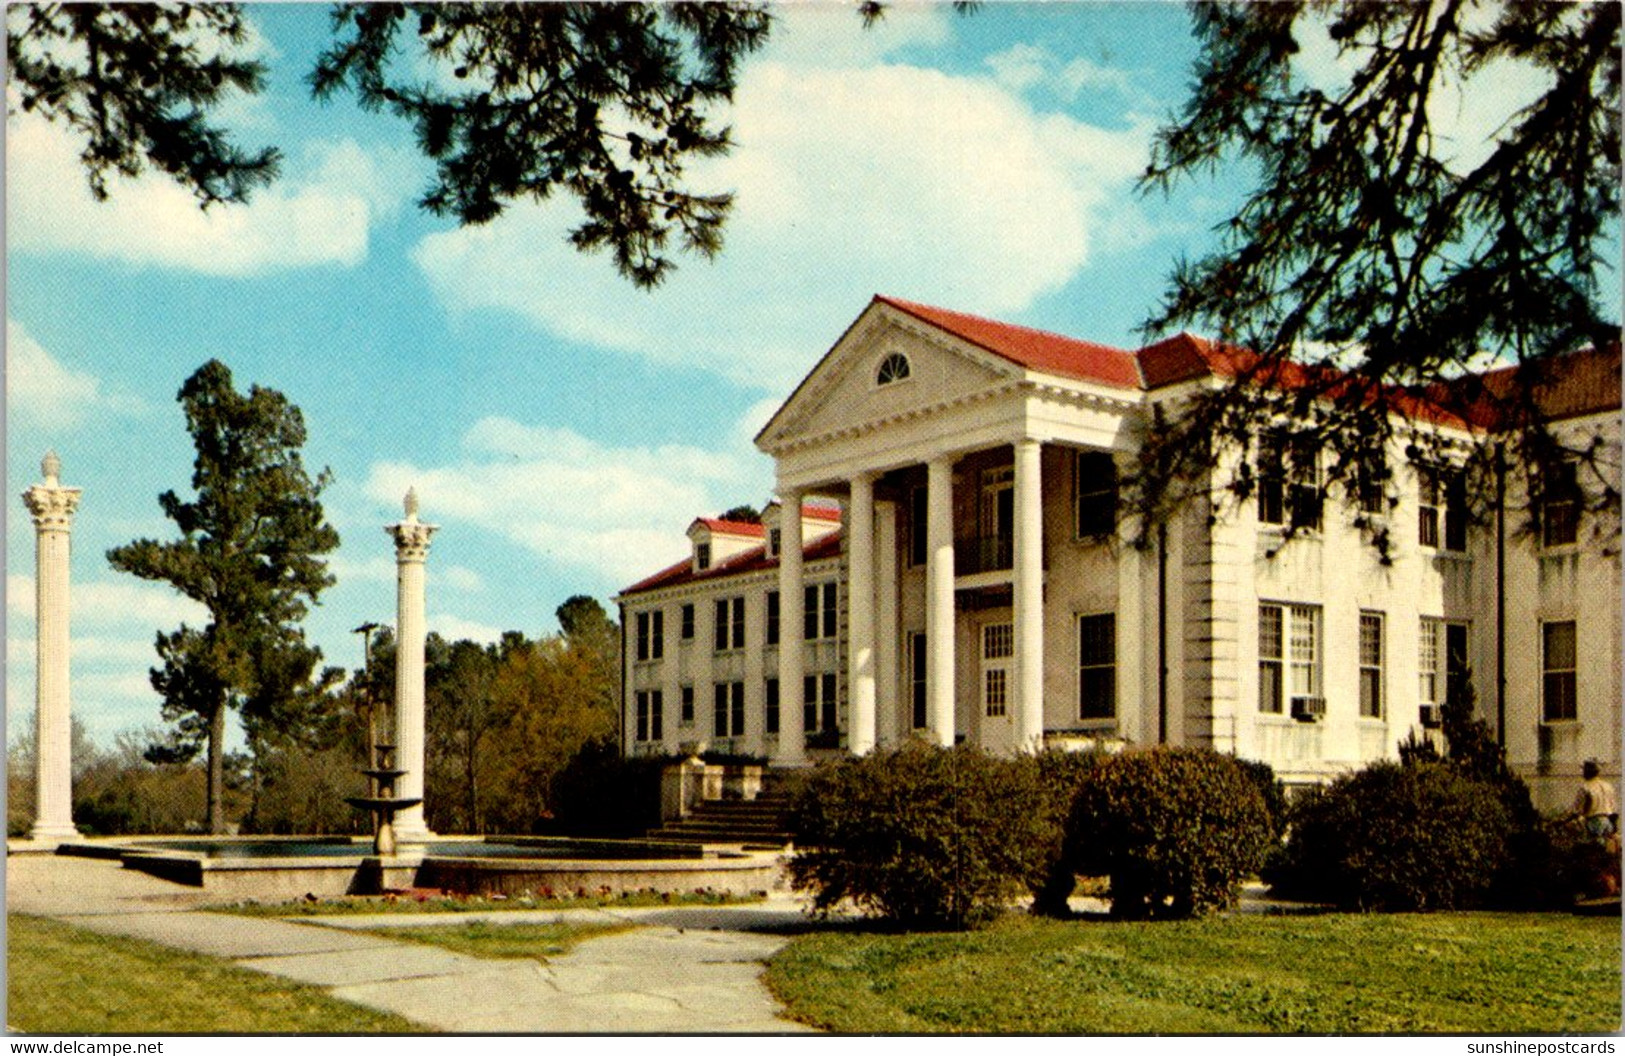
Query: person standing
{"points": [[1596, 805]]}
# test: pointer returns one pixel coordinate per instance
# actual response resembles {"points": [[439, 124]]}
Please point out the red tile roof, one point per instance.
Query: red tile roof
{"points": [[1569, 386], [752, 560], [1037, 349], [753, 529]]}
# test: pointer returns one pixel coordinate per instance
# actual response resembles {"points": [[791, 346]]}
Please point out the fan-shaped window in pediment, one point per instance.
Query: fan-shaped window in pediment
{"points": [[893, 368]]}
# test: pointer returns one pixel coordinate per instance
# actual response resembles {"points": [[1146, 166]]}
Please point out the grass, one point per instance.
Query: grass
{"points": [[505, 941], [358, 905], [65, 980], [1334, 974]]}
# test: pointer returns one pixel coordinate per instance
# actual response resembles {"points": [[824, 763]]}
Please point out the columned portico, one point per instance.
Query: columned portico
{"points": [[939, 599], [861, 614], [1028, 593], [791, 749]]}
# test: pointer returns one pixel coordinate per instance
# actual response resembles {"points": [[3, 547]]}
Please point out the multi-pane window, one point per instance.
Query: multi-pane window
{"points": [[998, 643], [730, 623], [818, 703], [917, 507], [995, 691], [687, 714], [1441, 663], [1371, 664], [774, 542], [1288, 654], [772, 617], [1560, 505], [1369, 493], [1096, 487], [916, 677], [818, 611], [649, 709], [651, 634], [702, 556], [687, 624], [1557, 671], [1097, 666], [1288, 493], [1442, 520], [770, 694], [728, 710]]}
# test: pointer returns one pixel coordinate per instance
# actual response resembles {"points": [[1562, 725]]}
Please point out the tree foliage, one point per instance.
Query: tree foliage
{"points": [[1373, 261], [136, 82], [251, 553]]}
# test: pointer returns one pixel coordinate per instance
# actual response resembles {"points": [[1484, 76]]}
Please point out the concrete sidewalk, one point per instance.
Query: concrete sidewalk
{"points": [[686, 971]]}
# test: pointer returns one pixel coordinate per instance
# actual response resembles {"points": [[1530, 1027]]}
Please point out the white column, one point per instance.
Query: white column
{"points": [[1028, 607], [939, 599], [888, 694], [53, 507], [860, 623], [792, 733], [411, 550]]}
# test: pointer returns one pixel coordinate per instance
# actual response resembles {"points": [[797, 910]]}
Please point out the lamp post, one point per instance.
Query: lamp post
{"points": [[368, 705]]}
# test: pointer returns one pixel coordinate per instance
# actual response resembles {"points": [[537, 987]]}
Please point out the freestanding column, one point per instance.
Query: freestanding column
{"points": [[860, 601], [939, 599], [53, 507], [1028, 610], [888, 694], [411, 549], [792, 750]]}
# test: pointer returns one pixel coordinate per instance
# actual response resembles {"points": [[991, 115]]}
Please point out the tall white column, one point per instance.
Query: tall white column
{"points": [[939, 599], [53, 507], [888, 694], [792, 747], [1028, 607], [860, 622], [411, 550]]}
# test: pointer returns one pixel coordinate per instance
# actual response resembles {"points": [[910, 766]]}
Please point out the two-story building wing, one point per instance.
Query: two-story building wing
{"points": [[976, 581]]}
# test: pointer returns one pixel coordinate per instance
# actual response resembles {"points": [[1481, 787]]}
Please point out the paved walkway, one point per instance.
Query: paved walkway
{"points": [[683, 971]]}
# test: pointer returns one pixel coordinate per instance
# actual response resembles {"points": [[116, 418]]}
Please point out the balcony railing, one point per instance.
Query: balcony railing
{"points": [[988, 553]]}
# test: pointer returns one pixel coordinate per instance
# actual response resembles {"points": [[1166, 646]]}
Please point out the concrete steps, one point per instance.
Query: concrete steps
{"points": [[756, 821]]}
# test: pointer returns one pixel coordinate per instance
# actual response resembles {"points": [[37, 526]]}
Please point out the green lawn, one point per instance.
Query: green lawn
{"points": [[354, 905], [480, 939], [1334, 974], [65, 980]]}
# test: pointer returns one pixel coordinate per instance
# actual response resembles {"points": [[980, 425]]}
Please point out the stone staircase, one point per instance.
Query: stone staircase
{"points": [[761, 821]]}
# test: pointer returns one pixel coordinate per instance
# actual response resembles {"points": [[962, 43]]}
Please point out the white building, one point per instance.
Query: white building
{"points": [[976, 582]]}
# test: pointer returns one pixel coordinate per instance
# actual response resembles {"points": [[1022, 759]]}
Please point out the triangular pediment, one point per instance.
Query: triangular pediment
{"points": [[846, 391]]}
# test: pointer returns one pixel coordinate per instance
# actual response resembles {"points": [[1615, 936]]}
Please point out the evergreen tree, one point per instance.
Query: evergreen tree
{"points": [[1373, 261], [251, 553]]}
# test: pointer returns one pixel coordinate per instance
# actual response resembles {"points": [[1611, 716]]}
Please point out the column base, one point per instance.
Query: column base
{"points": [[47, 833], [404, 835]]}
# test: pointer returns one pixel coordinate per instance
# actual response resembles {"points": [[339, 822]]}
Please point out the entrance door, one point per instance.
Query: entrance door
{"points": [[998, 720]]}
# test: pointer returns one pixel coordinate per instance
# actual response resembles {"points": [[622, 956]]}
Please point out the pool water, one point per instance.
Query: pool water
{"points": [[341, 847]]}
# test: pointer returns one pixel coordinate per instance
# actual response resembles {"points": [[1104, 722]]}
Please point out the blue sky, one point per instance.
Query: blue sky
{"points": [[562, 426]]}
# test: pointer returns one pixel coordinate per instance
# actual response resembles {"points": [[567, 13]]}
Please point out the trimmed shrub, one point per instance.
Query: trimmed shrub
{"points": [[1060, 776], [1176, 830], [602, 793], [1271, 790], [922, 836], [1392, 837]]}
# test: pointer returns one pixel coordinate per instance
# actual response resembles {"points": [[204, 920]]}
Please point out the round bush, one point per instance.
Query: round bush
{"points": [[1394, 837], [922, 836], [1176, 830]]}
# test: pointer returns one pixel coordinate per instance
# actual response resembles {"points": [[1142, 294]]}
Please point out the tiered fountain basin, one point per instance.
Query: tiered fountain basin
{"points": [[277, 868]]}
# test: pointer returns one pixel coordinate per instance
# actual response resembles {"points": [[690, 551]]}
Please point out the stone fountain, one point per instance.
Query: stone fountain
{"points": [[384, 803]]}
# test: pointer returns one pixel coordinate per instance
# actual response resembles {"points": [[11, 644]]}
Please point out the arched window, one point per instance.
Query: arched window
{"points": [[893, 368]]}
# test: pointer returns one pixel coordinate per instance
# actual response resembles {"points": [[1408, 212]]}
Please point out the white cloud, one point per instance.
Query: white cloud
{"points": [[460, 577], [455, 629], [42, 391], [1025, 67], [850, 179], [320, 211], [617, 511]]}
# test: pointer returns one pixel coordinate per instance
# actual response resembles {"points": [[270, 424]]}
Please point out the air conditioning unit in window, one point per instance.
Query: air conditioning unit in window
{"points": [[1308, 709], [1430, 716]]}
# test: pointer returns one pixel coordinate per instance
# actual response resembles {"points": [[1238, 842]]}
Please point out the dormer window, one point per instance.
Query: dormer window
{"points": [[893, 368], [773, 542], [702, 556]]}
